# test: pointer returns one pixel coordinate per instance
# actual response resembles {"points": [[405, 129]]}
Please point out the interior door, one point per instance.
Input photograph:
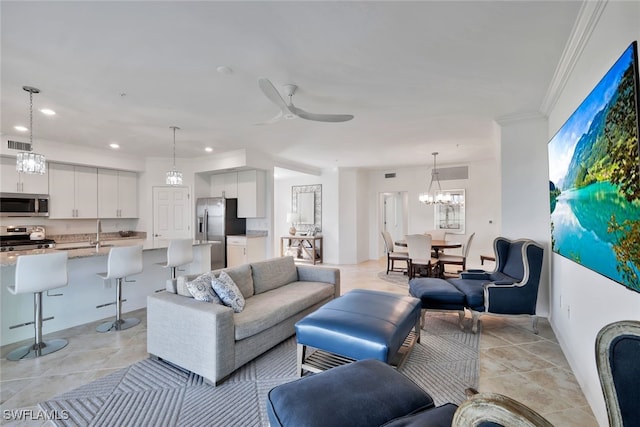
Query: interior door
{"points": [[171, 213]]}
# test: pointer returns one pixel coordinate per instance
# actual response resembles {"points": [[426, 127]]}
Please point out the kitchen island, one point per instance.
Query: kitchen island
{"points": [[77, 304]]}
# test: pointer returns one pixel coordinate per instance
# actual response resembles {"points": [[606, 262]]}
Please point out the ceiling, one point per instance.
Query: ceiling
{"points": [[418, 76]]}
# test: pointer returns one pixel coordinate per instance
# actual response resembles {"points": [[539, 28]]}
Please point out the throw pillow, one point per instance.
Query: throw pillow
{"points": [[228, 292], [201, 289]]}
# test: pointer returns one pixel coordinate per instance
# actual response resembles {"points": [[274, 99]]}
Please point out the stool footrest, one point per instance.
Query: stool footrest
{"points": [[109, 303], [28, 323]]}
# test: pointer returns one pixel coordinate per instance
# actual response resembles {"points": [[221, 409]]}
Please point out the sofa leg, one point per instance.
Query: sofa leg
{"points": [[534, 324]]}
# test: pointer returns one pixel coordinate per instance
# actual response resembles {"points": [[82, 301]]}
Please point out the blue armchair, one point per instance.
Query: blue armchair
{"points": [[617, 355], [512, 288]]}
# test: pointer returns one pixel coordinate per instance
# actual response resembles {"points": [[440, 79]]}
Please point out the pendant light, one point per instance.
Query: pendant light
{"points": [[26, 161], [174, 177], [436, 197]]}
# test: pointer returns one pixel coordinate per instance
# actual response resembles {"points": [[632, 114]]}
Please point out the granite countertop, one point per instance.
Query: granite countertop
{"points": [[83, 250]]}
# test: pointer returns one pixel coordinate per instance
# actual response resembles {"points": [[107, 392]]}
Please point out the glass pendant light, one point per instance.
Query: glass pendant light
{"points": [[26, 161], [174, 177], [437, 197]]}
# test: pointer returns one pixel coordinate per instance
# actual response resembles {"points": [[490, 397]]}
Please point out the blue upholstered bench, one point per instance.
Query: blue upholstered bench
{"points": [[362, 324], [365, 393]]}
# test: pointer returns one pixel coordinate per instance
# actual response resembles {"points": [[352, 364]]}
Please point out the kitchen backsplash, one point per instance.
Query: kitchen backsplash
{"points": [[74, 226]]}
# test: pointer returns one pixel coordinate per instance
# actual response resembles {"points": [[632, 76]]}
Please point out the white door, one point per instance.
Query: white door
{"points": [[171, 213]]}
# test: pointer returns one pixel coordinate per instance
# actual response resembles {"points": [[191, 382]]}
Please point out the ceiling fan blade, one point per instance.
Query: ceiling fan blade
{"points": [[334, 118], [272, 120], [272, 93]]}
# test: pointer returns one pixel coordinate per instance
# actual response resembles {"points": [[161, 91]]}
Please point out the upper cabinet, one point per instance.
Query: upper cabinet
{"points": [[13, 182], [72, 191], [117, 194], [251, 194], [225, 185]]}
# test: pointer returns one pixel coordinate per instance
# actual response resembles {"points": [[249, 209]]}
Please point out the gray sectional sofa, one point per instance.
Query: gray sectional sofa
{"points": [[211, 340]]}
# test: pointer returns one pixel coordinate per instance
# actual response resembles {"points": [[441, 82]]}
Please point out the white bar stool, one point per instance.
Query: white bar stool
{"points": [[38, 273], [122, 262], [179, 252]]}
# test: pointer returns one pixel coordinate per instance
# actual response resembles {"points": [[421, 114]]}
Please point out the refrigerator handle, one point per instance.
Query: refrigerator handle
{"points": [[205, 227]]}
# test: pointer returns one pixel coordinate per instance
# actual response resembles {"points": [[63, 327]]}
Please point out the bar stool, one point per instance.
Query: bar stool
{"points": [[38, 273], [122, 262], [179, 252]]}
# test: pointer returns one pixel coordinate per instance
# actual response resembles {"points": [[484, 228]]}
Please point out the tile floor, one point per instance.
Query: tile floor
{"points": [[513, 361]]}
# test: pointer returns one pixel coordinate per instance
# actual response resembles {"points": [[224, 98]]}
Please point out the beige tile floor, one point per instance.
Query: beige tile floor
{"points": [[513, 361]]}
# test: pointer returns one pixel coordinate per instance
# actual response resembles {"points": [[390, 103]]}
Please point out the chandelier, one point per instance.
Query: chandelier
{"points": [[174, 177], [437, 197], [28, 162]]}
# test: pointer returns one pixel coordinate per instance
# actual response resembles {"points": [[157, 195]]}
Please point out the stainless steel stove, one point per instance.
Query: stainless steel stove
{"points": [[19, 238]]}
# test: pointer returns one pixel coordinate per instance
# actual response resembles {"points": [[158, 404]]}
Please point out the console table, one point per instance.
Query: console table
{"points": [[307, 248]]}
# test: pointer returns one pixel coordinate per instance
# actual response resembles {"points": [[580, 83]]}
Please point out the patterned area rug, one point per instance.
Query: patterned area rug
{"points": [[395, 277], [153, 393]]}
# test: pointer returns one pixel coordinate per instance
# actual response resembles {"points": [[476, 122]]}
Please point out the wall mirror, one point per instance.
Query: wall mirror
{"points": [[306, 200], [451, 217]]}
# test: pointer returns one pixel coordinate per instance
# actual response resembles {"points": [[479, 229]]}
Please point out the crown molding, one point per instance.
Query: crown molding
{"points": [[587, 19]]}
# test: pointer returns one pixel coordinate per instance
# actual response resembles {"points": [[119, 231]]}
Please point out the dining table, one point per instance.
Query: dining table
{"points": [[436, 245]]}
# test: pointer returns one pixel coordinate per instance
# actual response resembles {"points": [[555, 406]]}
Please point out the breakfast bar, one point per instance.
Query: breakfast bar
{"points": [[85, 290]]}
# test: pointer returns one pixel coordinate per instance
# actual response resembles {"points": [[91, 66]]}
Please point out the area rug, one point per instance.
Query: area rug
{"points": [[395, 277], [153, 393]]}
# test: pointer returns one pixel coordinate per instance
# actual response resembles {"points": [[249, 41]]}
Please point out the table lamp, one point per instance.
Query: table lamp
{"points": [[293, 218]]}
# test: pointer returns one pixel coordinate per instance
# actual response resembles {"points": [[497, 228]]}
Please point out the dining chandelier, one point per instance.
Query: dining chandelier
{"points": [[174, 177], [435, 197], [26, 161]]}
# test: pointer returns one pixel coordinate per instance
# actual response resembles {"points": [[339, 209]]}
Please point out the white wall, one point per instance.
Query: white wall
{"points": [[525, 194], [589, 300], [482, 204]]}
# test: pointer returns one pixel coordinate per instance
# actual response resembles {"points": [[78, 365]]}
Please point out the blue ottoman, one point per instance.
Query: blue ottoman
{"points": [[439, 295], [365, 393], [361, 324]]}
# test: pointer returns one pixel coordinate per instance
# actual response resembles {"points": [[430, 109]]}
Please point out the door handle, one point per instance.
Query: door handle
{"points": [[156, 235]]}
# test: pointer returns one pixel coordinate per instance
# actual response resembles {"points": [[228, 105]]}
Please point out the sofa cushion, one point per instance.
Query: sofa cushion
{"points": [[228, 292], [242, 277], [273, 273], [264, 310]]}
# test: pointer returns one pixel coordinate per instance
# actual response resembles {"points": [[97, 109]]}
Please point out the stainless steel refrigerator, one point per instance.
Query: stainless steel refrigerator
{"points": [[217, 218]]}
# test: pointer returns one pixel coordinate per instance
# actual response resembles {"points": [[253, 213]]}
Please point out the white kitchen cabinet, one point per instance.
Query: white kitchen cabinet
{"points": [[117, 194], [244, 250], [224, 185], [73, 191], [11, 181], [251, 194]]}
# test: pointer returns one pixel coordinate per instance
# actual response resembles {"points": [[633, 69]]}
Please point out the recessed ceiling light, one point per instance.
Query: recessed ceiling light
{"points": [[47, 112], [223, 69], [208, 149], [20, 128], [114, 145]]}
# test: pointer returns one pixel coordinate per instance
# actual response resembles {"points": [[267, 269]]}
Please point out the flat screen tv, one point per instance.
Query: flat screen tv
{"points": [[594, 179]]}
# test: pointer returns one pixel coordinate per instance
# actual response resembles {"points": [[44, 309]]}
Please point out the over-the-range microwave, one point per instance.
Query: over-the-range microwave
{"points": [[21, 205]]}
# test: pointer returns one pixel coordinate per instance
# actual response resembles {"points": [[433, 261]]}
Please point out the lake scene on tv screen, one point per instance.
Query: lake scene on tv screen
{"points": [[594, 182]]}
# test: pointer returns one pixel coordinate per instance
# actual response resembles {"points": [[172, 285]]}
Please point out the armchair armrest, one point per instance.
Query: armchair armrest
{"points": [[475, 275], [502, 283]]}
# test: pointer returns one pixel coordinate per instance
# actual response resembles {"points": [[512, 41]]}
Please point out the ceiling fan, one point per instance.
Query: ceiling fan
{"points": [[290, 111]]}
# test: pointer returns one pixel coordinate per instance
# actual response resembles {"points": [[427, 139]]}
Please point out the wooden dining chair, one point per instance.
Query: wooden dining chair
{"points": [[461, 260], [419, 246], [392, 254]]}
